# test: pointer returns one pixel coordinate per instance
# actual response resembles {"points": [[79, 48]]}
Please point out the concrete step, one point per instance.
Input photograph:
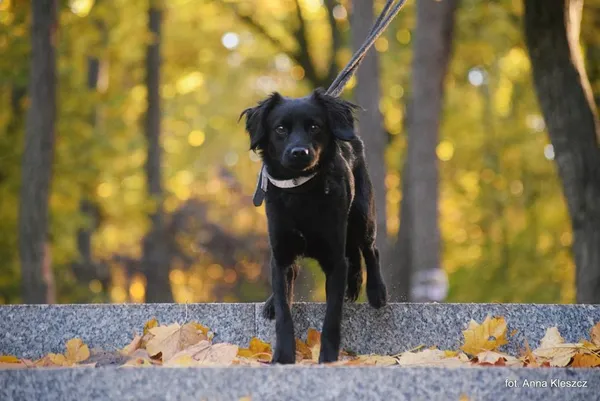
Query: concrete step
{"points": [[32, 331]]}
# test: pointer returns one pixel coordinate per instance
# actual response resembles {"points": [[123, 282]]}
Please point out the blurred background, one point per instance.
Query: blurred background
{"points": [[126, 177]]}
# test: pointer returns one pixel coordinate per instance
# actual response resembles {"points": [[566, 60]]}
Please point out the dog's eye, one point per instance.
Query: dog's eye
{"points": [[314, 129], [280, 130]]}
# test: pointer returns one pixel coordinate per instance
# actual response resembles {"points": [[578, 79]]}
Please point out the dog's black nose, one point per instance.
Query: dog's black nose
{"points": [[299, 153]]}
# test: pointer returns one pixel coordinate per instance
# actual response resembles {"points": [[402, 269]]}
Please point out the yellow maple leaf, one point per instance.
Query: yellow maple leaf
{"points": [[488, 335], [257, 349], [169, 340]]}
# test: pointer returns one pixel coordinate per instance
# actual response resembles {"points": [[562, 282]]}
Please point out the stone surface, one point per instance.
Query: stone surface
{"points": [[400, 327], [295, 384], [31, 331]]}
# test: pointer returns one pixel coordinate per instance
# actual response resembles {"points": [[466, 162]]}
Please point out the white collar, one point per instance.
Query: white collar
{"points": [[291, 183]]}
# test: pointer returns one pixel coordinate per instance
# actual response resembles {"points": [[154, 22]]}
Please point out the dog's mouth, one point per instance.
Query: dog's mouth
{"points": [[298, 165]]}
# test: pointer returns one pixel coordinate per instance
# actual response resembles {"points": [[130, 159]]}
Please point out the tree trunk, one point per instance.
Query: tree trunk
{"points": [[398, 278], [432, 48], [156, 260], [552, 37], [38, 154], [370, 123]]}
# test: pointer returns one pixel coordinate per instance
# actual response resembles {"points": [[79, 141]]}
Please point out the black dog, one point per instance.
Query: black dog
{"points": [[319, 204]]}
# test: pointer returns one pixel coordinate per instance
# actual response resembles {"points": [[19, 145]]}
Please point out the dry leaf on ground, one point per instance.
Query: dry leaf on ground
{"points": [[257, 349], [169, 340], [487, 336], [205, 353], [554, 350], [493, 358], [585, 360]]}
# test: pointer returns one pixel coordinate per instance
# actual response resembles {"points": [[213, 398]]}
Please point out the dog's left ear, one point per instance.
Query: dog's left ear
{"points": [[256, 120], [340, 114]]}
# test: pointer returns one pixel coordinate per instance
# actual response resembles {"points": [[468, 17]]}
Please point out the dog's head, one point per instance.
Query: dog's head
{"points": [[295, 132]]}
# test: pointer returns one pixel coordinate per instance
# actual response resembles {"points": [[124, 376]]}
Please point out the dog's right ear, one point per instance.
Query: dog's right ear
{"points": [[256, 120]]}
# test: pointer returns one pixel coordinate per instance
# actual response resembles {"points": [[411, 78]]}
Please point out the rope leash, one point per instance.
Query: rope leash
{"points": [[390, 10]]}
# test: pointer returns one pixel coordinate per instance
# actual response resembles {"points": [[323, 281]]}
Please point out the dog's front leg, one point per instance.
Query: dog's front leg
{"points": [[335, 288], [285, 345]]}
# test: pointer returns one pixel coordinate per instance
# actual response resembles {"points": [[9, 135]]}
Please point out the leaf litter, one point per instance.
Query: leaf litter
{"points": [[191, 345]]}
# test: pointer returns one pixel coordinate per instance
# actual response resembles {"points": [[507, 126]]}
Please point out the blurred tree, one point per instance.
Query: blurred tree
{"points": [[432, 48], [552, 30], [86, 269], [36, 265], [300, 51], [156, 260], [370, 123]]}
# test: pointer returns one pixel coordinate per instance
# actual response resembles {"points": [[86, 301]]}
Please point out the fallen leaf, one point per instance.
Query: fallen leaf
{"points": [[595, 334], [205, 353], [257, 349], [169, 340], [133, 345], [138, 362], [313, 337], [420, 357], [492, 358], [77, 351], [203, 330], [150, 324], [58, 359], [9, 359], [489, 335], [553, 349], [13, 365], [303, 351], [181, 361], [551, 338], [146, 335], [585, 360], [377, 360]]}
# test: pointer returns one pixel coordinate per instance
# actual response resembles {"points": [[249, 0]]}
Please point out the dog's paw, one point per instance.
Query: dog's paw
{"points": [[268, 310], [377, 294], [286, 357], [353, 290]]}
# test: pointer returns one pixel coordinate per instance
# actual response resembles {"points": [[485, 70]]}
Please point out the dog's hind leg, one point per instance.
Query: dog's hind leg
{"points": [[376, 290], [364, 224], [268, 310]]}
